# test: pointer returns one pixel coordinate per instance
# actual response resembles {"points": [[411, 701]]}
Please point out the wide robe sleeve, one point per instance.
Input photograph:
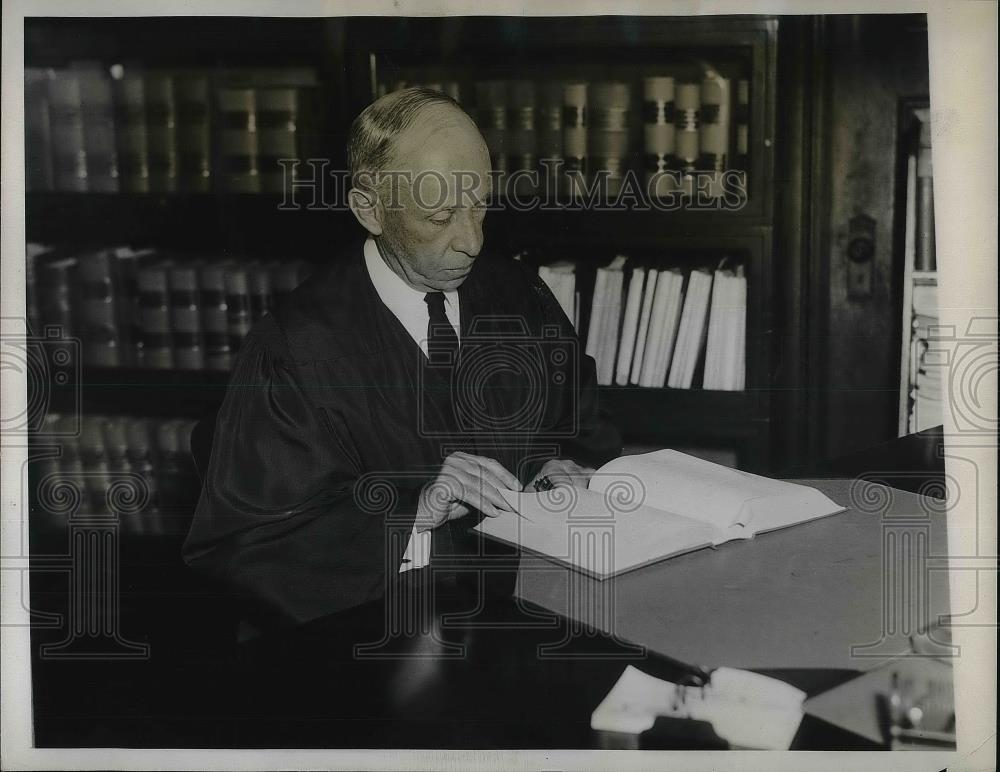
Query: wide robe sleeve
{"points": [[278, 520]]}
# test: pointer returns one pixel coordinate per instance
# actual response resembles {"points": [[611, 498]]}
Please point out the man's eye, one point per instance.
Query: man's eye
{"points": [[442, 218]]}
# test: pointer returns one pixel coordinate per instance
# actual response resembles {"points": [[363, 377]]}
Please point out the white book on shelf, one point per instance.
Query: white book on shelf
{"points": [[690, 335], [596, 312], [696, 355], [643, 333], [738, 381], [630, 325], [658, 335], [717, 320], [671, 325], [611, 324]]}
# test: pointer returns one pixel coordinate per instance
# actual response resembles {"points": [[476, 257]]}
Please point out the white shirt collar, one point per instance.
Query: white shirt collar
{"points": [[406, 303]]}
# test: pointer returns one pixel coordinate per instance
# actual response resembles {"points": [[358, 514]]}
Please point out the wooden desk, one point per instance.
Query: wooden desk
{"points": [[797, 598]]}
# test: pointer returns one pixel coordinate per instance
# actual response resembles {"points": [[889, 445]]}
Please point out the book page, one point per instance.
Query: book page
{"points": [[675, 482], [579, 528]]}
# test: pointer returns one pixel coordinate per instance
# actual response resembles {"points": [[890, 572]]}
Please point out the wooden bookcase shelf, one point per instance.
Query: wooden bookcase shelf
{"points": [[352, 56]]}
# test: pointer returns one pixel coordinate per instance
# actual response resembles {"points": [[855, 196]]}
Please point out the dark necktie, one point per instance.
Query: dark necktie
{"points": [[442, 357], [442, 342]]}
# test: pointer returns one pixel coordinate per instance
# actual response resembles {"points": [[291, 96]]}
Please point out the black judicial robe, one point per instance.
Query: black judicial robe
{"points": [[326, 433]]}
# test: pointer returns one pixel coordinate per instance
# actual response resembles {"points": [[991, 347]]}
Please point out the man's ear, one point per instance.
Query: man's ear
{"points": [[365, 205]]}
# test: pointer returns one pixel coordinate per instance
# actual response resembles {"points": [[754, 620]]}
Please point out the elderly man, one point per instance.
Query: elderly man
{"points": [[375, 418]]}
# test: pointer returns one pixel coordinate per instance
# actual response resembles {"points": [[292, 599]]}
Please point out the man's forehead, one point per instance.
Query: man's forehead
{"points": [[440, 138], [435, 189]]}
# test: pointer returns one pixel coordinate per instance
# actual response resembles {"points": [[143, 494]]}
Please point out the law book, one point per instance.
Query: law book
{"points": [[659, 134], [261, 299], [194, 132], [161, 130], [33, 255], [99, 135], [741, 118], [737, 378], [549, 128], [688, 105], [560, 277], [720, 327], [93, 457], [278, 122], [69, 156], [643, 332], [154, 297], [57, 285], [141, 453], [574, 121], [101, 315], [605, 318], [597, 312], [214, 315], [691, 335], [663, 323], [611, 334], [630, 325], [491, 108], [238, 314], [608, 134], [130, 127], [186, 316], [130, 302], [522, 136], [238, 139], [639, 510], [714, 123], [37, 130]]}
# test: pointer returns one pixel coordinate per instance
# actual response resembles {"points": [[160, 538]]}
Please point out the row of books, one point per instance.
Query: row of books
{"points": [[147, 308], [656, 328], [148, 459], [588, 126], [93, 128]]}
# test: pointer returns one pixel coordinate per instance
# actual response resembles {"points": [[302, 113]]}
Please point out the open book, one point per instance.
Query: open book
{"points": [[642, 509]]}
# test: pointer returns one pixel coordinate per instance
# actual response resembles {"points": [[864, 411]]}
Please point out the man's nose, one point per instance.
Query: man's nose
{"points": [[469, 235]]}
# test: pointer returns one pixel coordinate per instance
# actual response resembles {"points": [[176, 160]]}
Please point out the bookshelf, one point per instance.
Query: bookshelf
{"points": [[353, 58]]}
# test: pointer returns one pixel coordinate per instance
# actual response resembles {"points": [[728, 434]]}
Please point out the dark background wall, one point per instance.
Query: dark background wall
{"points": [[873, 62]]}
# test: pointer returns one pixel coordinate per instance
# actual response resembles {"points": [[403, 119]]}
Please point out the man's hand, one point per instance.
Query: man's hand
{"points": [[562, 471], [465, 482]]}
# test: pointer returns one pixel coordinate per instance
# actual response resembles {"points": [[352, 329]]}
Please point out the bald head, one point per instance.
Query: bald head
{"points": [[413, 130]]}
